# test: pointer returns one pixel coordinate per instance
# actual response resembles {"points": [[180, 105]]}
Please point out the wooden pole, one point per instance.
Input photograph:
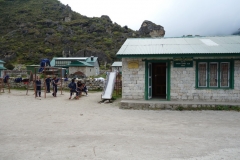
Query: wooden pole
{"points": [[34, 84], [61, 81], [44, 83]]}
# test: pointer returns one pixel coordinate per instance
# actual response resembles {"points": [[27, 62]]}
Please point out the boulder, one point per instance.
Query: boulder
{"points": [[150, 29], [107, 18]]}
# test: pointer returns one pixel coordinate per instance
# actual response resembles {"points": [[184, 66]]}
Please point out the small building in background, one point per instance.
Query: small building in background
{"points": [[88, 66], [2, 68], [32, 68], [117, 66]]}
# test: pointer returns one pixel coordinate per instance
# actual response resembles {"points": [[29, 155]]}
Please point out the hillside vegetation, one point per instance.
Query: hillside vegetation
{"points": [[34, 29]]}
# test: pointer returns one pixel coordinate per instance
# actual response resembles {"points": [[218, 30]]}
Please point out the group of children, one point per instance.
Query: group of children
{"points": [[77, 88], [48, 81]]}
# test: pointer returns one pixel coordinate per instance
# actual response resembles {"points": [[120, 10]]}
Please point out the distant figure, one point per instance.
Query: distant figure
{"points": [[54, 83], [48, 81], [44, 63], [38, 87], [84, 89], [5, 80], [79, 88], [73, 88]]}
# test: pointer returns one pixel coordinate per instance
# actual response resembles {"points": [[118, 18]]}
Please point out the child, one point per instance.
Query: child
{"points": [[79, 88], [73, 88], [84, 89], [38, 87], [54, 83], [48, 81]]}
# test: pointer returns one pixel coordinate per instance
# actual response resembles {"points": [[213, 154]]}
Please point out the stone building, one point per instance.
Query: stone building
{"points": [[181, 69], [117, 66], [89, 66]]}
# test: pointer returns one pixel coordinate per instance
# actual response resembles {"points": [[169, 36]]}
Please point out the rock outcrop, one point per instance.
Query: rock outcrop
{"points": [[237, 32], [150, 29]]}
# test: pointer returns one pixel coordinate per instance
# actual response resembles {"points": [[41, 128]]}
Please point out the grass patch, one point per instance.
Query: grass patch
{"points": [[216, 108], [116, 96]]}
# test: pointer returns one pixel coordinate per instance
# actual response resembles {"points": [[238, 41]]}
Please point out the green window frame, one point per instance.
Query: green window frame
{"points": [[215, 74]]}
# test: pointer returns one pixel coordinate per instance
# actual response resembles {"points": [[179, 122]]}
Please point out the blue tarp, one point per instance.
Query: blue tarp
{"points": [[44, 63]]}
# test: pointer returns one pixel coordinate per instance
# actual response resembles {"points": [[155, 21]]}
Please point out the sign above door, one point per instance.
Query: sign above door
{"points": [[183, 62]]}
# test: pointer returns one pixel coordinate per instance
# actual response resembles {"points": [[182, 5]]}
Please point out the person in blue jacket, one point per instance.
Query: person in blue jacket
{"points": [[48, 81], [5, 79], [73, 88], [54, 83], [38, 87]]}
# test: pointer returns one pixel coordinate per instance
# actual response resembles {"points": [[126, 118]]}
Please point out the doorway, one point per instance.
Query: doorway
{"points": [[159, 80]]}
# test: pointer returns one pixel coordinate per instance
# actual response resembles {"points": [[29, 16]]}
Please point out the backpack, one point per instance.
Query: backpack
{"points": [[71, 85]]}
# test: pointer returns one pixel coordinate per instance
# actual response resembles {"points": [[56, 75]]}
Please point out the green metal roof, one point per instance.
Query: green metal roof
{"points": [[2, 61], [117, 64], [177, 46], [73, 59], [90, 60], [2, 68], [79, 64]]}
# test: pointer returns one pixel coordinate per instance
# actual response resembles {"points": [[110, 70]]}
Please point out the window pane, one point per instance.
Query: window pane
{"points": [[224, 74], [202, 74], [213, 67]]}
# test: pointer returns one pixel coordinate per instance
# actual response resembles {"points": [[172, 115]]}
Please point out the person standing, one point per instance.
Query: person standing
{"points": [[79, 88], [38, 87], [48, 81], [54, 83]]}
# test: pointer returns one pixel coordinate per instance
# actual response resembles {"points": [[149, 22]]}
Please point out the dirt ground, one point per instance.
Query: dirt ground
{"points": [[57, 128]]}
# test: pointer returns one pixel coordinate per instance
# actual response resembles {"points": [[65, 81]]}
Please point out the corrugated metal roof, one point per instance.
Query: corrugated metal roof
{"points": [[90, 60], [79, 64], [2, 68], [71, 58], [184, 45], [2, 61], [117, 64]]}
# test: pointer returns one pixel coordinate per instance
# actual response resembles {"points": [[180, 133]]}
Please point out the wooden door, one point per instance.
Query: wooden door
{"points": [[159, 80]]}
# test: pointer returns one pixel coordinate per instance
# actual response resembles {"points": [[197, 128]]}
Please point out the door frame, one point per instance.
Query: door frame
{"points": [[168, 73]]}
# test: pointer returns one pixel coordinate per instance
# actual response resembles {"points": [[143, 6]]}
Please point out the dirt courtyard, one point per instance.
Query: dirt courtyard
{"points": [[57, 128]]}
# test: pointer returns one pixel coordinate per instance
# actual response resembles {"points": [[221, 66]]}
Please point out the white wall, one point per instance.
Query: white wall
{"points": [[88, 71]]}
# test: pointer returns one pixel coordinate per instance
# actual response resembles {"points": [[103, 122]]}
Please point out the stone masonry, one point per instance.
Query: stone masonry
{"points": [[182, 84], [133, 80], [183, 87], [91, 84]]}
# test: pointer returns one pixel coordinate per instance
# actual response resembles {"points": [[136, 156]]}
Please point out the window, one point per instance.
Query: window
{"points": [[214, 74]]}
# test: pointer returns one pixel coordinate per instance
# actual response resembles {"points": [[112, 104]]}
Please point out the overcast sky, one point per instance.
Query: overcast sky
{"points": [[178, 17]]}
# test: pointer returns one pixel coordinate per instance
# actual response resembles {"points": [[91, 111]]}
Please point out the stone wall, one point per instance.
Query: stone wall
{"points": [[88, 71], [183, 87], [90, 83], [133, 80], [182, 84]]}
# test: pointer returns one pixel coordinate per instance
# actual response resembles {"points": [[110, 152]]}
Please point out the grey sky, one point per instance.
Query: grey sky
{"points": [[178, 17]]}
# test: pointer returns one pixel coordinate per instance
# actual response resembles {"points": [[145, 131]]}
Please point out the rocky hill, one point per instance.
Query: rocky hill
{"points": [[34, 29], [237, 32]]}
